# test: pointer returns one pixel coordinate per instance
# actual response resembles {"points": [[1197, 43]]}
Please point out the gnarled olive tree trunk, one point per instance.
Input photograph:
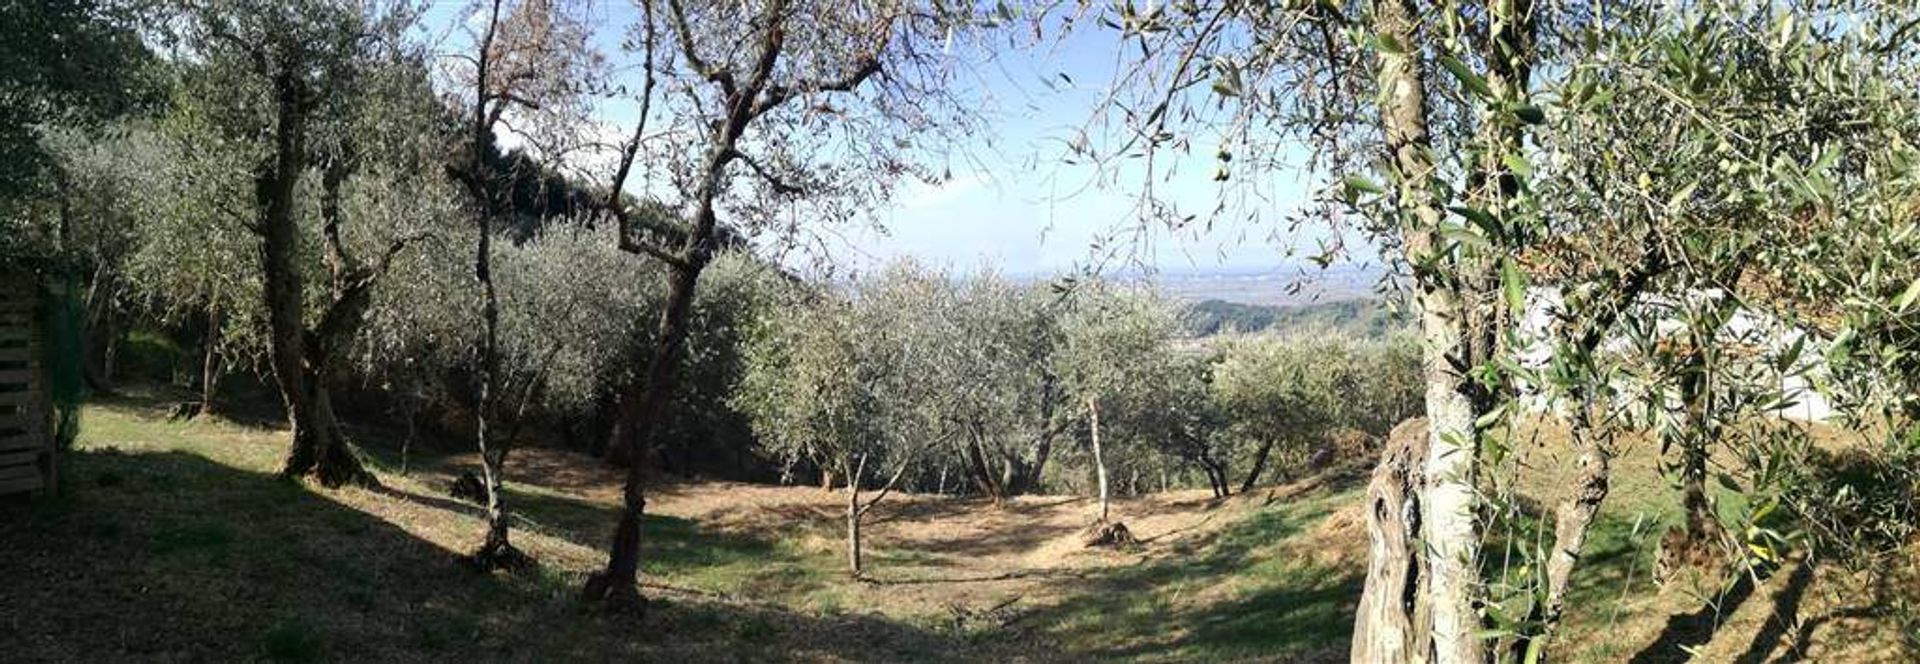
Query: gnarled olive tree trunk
{"points": [[1392, 624], [302, 359]]}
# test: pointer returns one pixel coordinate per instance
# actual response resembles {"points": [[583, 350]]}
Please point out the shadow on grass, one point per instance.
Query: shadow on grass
{"points": [[1785, 617], [1687, 631], [172, 556], [1224, 595]]}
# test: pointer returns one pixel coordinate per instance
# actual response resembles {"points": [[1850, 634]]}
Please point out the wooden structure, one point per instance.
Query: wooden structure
{"points": [[26, 442]]}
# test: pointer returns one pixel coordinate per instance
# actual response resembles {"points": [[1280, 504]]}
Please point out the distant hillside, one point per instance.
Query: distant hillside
{"points": [[1281, 286], [1357, 317]]}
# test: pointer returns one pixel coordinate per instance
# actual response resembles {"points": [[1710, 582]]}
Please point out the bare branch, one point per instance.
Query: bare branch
{"points": [[687, 50], [773, 179], [865, 68]]}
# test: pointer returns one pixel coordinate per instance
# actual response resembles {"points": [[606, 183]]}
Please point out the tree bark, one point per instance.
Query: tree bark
{"points": [[97, 361], [1448, 506], [853, 519], [284, 288], [1573, 519], [1392, 625], [1099, 460], [982, 475], [1452, 528], [1696, 434], [210, 363], [410, 411], [316, 448], [1259, 465], [618, 581], [321, 448], [496, 550], [744, 98]]}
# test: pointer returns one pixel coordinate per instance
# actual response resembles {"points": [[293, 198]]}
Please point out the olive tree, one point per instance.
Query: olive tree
{"points": [[1115, 361], [777, 113], [529, 60], [298, 89], [1286, 393], [839, 382], [998, 389], [1437, 126]]}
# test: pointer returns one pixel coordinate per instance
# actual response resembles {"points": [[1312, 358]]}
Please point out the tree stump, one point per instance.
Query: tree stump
{"points": [[1112, 535], [1392, 622]]}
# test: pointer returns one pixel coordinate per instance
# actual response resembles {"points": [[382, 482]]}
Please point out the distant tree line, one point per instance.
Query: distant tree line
{"points": [[1366, 317]]}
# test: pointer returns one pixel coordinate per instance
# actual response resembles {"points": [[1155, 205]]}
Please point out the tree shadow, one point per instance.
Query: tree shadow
{"points": [[1786, 615], [1687, 631], [1264, 606], [173, 556]]}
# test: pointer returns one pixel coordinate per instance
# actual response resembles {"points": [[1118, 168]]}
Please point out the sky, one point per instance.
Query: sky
{"points": [[1014, 204]]}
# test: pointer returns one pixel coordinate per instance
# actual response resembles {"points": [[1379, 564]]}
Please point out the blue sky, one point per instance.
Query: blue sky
{"points": [[1014, 204]]}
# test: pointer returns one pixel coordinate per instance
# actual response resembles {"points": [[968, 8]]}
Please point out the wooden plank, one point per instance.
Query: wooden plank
{"points": [[19, 472], [21, 485], [16, 376], [22, 441], [20, 457], [17, 398], [17, 353]]}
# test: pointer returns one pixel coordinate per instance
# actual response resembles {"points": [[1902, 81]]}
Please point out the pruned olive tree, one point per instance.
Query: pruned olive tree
{"points": [[838, 381], [157, 243], [1773, 133], [1117, 365], [1421, 113], [1000, 402], [778, 114], [1284, 393]]}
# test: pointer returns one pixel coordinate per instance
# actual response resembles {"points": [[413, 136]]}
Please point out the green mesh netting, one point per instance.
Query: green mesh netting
{"points": [[62, 329]]}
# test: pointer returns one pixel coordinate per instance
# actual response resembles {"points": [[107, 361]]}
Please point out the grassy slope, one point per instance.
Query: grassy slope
{"points": [[173, 541]]}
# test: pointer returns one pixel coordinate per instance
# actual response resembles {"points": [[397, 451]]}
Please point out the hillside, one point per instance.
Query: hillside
{"points": [[173, 541], [1357, 318]]}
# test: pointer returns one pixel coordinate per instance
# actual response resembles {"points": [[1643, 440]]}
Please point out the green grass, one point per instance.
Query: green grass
{"points": [[292, 639], [181, 537], [1220, 597]]}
